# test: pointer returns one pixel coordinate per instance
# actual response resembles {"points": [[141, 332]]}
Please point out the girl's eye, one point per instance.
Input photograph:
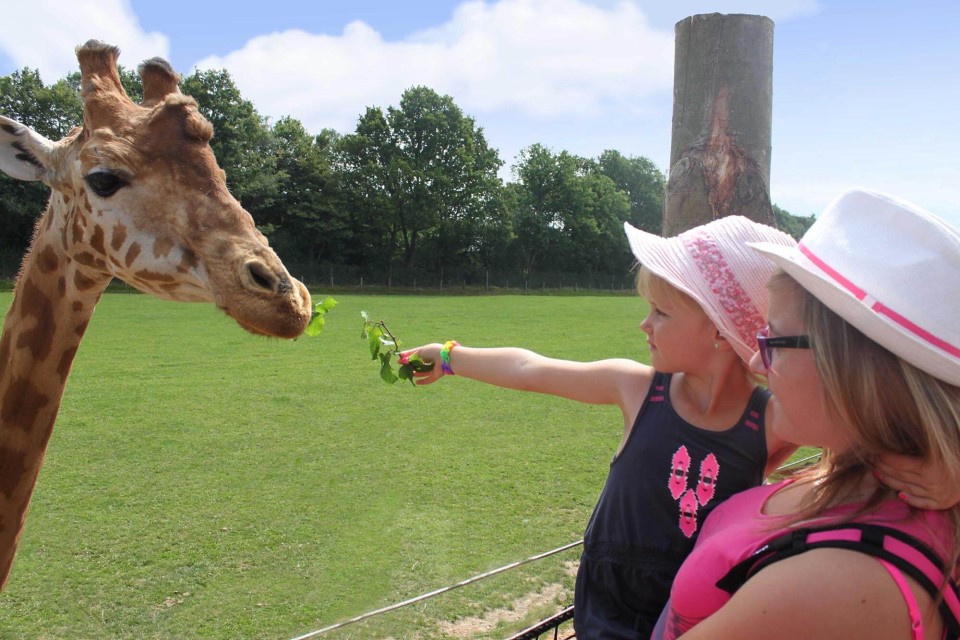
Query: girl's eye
{"points": [[104, 183]]}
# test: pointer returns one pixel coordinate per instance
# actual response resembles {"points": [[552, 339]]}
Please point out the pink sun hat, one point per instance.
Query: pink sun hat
{"points": [[713, 265], [889, 268]]}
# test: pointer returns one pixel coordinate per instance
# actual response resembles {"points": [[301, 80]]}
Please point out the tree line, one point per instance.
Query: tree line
{"points": [[414, 190]]}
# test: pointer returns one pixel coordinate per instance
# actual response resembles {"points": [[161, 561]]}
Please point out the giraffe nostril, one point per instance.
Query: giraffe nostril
{"points": [[261, 276]]}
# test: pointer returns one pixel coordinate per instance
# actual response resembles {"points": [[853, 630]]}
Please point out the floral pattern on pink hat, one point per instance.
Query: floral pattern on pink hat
{"points": [[740, 315]]}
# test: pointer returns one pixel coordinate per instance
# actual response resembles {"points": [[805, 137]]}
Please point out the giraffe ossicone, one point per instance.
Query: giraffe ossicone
{"points": [[136, 194]]}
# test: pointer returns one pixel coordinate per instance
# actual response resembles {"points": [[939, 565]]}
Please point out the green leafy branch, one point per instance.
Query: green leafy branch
{"points": [[318, 319], [384, 346]]}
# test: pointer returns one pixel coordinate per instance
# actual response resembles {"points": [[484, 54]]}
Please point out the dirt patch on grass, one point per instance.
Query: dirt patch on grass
{"points": [[519, 609]]}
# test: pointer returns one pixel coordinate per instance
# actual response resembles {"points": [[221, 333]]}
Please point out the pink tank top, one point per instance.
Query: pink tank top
{"points": [[738, 527]]}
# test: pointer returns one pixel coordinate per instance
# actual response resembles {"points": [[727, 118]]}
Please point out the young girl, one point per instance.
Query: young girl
{"points": [[693, 422]]}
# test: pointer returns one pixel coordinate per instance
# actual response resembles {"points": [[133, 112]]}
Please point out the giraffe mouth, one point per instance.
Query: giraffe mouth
{"points": [[283, 314]]}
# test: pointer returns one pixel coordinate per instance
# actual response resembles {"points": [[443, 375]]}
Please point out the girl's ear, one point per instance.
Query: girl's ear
{"points": [[720, 343]]}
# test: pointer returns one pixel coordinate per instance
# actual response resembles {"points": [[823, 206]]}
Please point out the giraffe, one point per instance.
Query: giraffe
{"points": [[136, 194]]}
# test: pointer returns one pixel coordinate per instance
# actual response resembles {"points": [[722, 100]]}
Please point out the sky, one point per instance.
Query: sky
{"points": [[865, 91]]}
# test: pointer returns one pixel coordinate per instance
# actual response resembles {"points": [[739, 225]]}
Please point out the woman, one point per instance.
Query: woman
{"points": [[862, 354]]}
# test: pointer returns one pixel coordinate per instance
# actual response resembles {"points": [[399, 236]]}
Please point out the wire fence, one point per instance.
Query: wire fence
{"points": [[335, 277]]}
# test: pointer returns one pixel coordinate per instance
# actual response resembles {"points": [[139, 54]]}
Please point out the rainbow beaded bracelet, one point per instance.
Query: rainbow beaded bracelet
{"points": [[445, 356]]}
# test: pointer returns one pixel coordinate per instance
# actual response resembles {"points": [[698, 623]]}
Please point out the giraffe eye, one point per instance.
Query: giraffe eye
{"points": [[104, 183]]}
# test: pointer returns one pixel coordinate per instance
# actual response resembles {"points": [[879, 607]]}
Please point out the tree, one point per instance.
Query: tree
{"points": [[644, 185], [796, 226], [424, 175], [568, 213], [307, 218]]}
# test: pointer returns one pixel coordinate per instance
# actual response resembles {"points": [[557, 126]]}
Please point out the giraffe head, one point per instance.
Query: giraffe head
{"points": [[138, 195]]}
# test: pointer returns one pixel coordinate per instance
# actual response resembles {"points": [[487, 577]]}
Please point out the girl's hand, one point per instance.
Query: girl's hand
{"points": [[428, 353], [924, 484]]}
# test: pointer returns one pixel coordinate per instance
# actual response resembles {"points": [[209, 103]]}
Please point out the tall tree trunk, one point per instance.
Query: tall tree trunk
{"points": [[722, 104]]}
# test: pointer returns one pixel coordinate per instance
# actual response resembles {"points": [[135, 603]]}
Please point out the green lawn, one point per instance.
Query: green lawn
{"points": [[205, 483]]}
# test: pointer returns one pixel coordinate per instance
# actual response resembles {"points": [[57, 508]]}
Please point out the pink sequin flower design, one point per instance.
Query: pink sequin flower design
{"points": [[741, 316]]}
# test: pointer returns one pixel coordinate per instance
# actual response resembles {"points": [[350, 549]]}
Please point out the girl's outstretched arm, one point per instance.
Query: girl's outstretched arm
{"points": [[599, 382]]}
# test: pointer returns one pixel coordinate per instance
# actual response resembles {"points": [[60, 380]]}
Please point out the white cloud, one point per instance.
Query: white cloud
{"points": [[532, 58], [42, 34]]}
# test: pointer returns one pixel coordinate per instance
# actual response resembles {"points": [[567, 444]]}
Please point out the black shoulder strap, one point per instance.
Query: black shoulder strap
{"points": [[896, 547]]}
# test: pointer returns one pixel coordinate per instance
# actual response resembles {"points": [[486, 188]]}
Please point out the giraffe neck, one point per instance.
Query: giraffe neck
{"points": [[53, 301]]}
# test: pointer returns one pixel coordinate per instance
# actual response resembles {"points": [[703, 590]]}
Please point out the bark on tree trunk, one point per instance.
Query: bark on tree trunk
{"points": [[722, 105]]}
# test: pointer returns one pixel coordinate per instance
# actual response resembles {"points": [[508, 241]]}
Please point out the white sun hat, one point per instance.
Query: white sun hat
{"points": [[713, 265], [890, 269]]}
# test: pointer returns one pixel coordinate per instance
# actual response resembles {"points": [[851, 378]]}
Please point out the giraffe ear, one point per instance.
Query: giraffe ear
{"points": [[159, 81], [24, 153]]}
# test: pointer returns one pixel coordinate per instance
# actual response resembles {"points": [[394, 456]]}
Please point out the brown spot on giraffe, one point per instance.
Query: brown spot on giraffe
{"points": [[81, 328], [189, 260], [39, 338], [118, 236], [62, 286], [82, 283], [22, 404], [66, 360], [132, 253], [97, 240], [13, 468], [47, 260], [77, 305], [87, 259], [152, 276]]}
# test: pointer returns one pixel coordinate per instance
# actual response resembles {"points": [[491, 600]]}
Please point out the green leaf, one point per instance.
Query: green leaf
{"points": [[373, 339], [317, 319], [386, 371], [317, 322]]}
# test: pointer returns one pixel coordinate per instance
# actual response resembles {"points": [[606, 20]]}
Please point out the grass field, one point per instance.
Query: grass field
{"points": [[205, 483]]}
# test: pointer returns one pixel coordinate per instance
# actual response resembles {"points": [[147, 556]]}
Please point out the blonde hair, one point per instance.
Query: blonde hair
{"points": [[650, 285], [890, 406]]}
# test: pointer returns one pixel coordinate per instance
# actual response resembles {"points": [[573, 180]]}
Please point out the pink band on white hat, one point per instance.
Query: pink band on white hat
{"points": [[738, 309], [879, 307]]}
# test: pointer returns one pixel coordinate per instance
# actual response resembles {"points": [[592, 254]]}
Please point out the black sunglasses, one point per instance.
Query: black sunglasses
{"points": [[767, 344]]}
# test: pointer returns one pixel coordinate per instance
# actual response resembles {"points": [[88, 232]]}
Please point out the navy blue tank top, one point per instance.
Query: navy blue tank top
{"points": [[668, 478]]}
